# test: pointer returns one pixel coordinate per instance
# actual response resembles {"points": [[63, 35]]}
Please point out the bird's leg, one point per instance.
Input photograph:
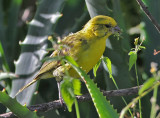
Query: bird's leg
{"points": [[59, 93]]}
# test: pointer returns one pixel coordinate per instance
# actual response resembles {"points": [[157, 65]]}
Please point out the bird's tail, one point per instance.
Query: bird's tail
{"points": [[26, 86]]}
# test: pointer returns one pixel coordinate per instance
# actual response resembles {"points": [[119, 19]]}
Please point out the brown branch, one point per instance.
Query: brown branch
{"points": [[149, 15], [44, 107]]}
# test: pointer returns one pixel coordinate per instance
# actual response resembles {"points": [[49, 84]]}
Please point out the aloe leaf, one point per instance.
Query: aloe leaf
{"points": [[33, 47], [3, 58], [2, 29], [15, 107], [5, 75], [11, 30], [96, 7], [2, 34], [103, 107]]}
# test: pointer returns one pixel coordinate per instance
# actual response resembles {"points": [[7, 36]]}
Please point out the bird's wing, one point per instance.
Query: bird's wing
{"points": [[70, 47], [67, 43], [49, 65]]}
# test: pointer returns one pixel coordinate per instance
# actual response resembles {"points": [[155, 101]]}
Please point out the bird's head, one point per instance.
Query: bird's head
{"points": [[102, 26]]}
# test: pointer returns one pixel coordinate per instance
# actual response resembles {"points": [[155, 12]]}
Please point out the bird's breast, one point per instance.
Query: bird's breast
{"points": [[91, 54]]}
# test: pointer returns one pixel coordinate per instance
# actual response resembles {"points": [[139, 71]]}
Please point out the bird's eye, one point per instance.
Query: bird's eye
{"points": [[108, 26]]}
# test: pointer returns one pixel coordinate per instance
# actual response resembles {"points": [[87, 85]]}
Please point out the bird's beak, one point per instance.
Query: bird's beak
{"points": [[116, 29]]}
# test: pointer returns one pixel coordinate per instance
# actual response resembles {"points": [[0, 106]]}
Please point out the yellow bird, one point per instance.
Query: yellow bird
{"points": [[85, 47]]}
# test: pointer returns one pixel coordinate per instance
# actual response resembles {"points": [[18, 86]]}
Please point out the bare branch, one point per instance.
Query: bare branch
{"points": [[149, 15], [44, 107]]}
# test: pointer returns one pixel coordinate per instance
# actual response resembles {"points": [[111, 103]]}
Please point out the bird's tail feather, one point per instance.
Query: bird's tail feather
{"points": [[26, 86]]}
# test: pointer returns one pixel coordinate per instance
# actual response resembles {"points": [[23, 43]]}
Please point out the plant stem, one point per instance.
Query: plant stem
{"points": [[153, 101], [77, 108], [140, 111], [122, 96], [137, 98]]}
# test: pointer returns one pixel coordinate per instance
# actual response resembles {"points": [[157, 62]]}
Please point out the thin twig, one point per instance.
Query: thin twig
{"points": [[44, 107], [149, 15]]}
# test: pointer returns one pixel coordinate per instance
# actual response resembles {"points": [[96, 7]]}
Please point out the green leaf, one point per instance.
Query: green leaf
{"points": [[132, 59], [71, 60], [108, 63], [67, 92], [103, 107], [69, 88], [15, 107], [76, 86], [147, 85], [142, 47], [95, 68]]}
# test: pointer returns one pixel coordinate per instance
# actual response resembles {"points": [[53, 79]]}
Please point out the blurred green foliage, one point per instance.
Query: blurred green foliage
{"points": [[15, 16]]}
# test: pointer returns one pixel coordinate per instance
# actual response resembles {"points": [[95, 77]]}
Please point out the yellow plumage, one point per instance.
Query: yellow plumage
{"points": [[85, 47]]}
